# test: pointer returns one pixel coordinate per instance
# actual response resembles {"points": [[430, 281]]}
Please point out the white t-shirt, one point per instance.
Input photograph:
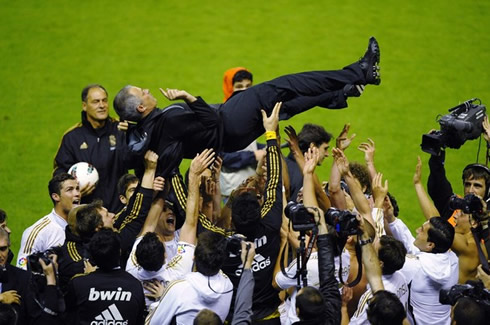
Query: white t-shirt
{"points": [[394, 283], [185, 298], [429, 273], [47, 232], [176, 269]]}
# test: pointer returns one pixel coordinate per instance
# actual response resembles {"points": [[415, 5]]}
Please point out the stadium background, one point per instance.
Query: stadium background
{"points": [[434, 55]]}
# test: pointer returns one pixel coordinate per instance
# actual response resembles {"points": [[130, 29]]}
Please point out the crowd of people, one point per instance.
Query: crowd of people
{"points": [[247, 235]]}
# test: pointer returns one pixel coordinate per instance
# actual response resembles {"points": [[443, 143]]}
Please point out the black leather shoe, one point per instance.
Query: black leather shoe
{"points": [[369, 63]]}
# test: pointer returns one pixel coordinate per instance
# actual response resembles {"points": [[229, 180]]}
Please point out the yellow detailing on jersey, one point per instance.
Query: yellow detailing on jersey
{"points": [[273, 173], [181, 195], [362, 304], [33, 235], [79, 275], [179, 191], [275, 314], [173, 262], [138, 201], [73, 252], [133, 258]]}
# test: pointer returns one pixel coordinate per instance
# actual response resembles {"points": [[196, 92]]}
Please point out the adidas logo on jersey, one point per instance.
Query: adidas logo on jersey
{"points": [[260, 263], [117, 295], [110, 316]]}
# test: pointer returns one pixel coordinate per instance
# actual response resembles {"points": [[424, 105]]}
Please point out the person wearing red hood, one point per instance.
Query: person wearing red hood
{"points": [[236, 79]]}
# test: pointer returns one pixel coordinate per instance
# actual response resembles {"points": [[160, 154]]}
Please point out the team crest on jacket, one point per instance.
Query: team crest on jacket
{"points": [[84, 145], [112, 140]]}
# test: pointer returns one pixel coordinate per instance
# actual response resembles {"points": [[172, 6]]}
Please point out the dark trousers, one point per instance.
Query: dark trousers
{"points": [[242, 119]]}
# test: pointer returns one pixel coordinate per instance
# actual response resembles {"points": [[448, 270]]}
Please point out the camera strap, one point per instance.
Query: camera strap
{"points": [[481, 255], [309, 247]]}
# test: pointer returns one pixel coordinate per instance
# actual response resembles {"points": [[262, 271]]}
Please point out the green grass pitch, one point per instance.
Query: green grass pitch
{"points": [[434, 55]]}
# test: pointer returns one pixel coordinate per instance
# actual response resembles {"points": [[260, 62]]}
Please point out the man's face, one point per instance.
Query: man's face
{"points": [[322, 151], [422, 236], [147, 99], [96, 106], [69, 196], [242, 85], [475, 186], [129, 193], [462, 223], [108, 218], [4, 251], [166, 222]]}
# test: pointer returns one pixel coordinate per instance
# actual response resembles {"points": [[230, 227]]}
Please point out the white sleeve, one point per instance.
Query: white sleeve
{"points": [[360, 316], [285, 282], [132, 264], [180, 264], [168, 306], [401, 232]]}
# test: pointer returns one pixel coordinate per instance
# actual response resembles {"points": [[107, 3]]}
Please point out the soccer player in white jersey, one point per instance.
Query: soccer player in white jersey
{"points": [[391, 254], [49, 231], [430, 267]]}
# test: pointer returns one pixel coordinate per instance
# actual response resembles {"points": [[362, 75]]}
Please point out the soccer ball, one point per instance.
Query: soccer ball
{"points": [[85, 173]]}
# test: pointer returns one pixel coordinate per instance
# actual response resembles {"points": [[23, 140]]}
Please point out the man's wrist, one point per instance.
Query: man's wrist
{"points": [[270, 135]]}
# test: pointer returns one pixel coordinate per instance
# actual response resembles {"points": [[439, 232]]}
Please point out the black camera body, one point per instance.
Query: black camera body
{"points": [[464, 122], [470, 204], [472, 289], [301, 218], [234, 244], [344, 221], [33, 263]]}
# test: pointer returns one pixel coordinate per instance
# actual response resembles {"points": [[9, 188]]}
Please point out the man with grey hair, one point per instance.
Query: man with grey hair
{"points": [[184, 129]]}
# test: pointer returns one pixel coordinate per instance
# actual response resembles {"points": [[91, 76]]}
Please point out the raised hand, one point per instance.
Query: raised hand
{"points": [[418, 172], [341, 161], [175, 94], [151, 160], [271, 122], [368, 148], [379, 190], [202, 161], [312, 156], [343, 140]]}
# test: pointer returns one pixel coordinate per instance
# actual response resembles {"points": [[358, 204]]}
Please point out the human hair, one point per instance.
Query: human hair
{"points": [[242, 75], [385, 308], [150, 252], [105, 249], [4, 235], [361, 173], [124, 181], [310, 304], [469, 312], [86, 90], [125, 104], [210, 253], [477, 171], [392, 253], [56, 183], [245, 214], [88, 220], [441, 233], [394, 204], [207, 317], [312, 133], [3, 216], [8, 314]]}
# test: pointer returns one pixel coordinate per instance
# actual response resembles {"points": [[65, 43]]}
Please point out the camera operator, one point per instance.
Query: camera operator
{"points": [[476, 181], [319, 306]]}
